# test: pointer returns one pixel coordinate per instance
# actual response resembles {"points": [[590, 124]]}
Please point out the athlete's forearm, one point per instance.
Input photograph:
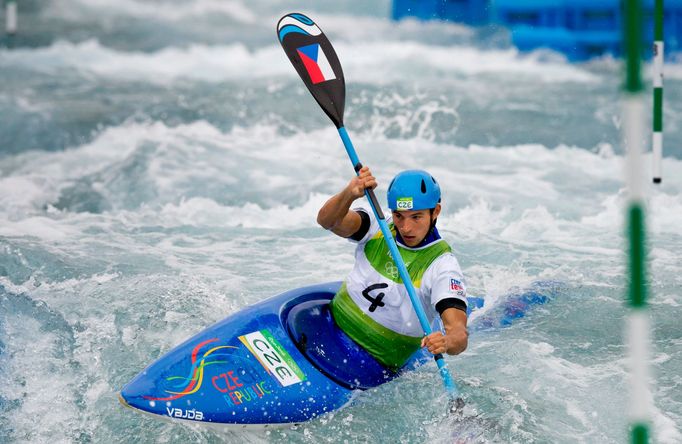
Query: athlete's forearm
{"points": [[335, 209], [335, 215], [453, 342], [456, 337], [456, 341]]}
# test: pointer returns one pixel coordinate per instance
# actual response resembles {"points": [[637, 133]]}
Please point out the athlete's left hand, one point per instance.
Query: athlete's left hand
{"points": [[436, 343]]}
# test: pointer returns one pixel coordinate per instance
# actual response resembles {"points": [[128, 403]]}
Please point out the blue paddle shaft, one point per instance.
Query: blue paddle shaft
{"points": [[397, 258]]}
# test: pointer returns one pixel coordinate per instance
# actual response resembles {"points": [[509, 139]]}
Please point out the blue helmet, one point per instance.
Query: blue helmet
{"points": [[413, 190]]}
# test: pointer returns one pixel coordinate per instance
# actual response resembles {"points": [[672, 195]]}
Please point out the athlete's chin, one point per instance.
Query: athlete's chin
{"points": [[410, 241]]}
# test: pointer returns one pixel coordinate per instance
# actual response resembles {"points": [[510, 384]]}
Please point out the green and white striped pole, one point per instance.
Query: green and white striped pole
{"points": [[11, 17], [658, 91], [637, 323]]}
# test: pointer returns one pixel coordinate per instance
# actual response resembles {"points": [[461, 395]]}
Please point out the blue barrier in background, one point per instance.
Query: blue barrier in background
{"points": [[473, 12], [581, 29]]}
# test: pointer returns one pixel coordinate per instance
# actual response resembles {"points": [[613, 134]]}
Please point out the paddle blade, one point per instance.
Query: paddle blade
{"points": [[315, 61]]}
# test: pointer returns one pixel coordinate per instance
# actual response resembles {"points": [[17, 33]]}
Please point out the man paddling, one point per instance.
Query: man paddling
{"points": [[372, 306]]}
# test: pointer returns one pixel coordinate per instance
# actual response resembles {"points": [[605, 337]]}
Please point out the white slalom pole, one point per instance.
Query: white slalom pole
{"points": [[11, 17], [657, 142], [637, 322], [637, 331]]}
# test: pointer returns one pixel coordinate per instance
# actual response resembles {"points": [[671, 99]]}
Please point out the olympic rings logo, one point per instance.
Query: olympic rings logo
{"points": [[391, 269]]}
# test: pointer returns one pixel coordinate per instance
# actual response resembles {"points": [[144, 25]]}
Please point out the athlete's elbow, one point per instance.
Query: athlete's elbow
{"points": [[324, 221]]}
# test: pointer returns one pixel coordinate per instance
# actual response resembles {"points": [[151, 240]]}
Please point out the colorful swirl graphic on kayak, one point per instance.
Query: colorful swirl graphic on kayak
{"points": [[192, 382], [298, 23]]}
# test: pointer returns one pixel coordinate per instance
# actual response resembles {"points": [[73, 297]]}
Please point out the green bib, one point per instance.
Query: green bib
{"points": [[390, 348]]}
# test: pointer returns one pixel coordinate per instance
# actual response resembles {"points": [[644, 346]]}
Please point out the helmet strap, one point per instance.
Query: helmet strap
{"points": [[433, 221]]}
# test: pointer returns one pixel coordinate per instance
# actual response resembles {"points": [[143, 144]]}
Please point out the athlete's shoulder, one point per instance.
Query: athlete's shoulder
{"points": [[370, 226], [445, 278], [446, 262]]}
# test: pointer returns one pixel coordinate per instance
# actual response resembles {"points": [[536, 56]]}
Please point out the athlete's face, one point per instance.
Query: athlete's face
{"points": [[413, 226]]}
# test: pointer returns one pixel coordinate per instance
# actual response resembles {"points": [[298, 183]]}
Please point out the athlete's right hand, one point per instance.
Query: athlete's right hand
{"points": [[356, 187]]}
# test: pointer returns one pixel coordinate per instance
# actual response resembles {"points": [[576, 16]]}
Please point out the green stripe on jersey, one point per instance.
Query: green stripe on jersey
{"points": [[388, 347], [416, 261]]}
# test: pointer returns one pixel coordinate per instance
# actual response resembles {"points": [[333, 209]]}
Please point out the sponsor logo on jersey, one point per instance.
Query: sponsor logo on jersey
{"points": [[456, 285], [273, 357], [316, 63]]}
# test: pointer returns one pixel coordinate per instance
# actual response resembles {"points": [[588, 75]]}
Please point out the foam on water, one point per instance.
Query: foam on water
{"points": [[377, 62], [82, 10]]}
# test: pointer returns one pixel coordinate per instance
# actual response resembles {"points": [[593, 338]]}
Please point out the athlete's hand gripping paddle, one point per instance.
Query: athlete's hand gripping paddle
{"points": [[316, 62]]}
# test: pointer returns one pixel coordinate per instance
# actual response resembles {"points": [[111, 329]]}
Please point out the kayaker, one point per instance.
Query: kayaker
{"points": [[372, 306]]}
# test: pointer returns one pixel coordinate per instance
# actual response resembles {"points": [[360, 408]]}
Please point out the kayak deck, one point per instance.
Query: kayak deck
{"points": [[282, 361], [248, 370]]}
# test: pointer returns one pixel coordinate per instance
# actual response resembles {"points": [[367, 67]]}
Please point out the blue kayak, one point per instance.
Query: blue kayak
{"points": [[281, 361]]}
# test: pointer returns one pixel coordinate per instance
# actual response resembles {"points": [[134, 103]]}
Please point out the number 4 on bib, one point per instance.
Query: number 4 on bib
{"points": [[377, 301]]}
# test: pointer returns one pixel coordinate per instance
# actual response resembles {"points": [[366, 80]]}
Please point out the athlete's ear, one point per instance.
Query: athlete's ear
{"points": [[436, 212]]}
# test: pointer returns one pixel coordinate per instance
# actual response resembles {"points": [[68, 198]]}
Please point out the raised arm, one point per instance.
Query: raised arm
{"points": [[336, 216]]}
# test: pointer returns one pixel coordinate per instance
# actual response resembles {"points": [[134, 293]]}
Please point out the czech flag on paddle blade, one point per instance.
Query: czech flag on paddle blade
{"points": [[316, 63]]}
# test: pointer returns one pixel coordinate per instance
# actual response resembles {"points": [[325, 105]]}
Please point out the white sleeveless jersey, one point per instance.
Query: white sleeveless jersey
{"points": [[375, 286]]}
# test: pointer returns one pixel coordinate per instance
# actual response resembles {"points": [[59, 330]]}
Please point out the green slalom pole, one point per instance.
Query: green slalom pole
{"points": [[637, 322], [657, 142]]}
